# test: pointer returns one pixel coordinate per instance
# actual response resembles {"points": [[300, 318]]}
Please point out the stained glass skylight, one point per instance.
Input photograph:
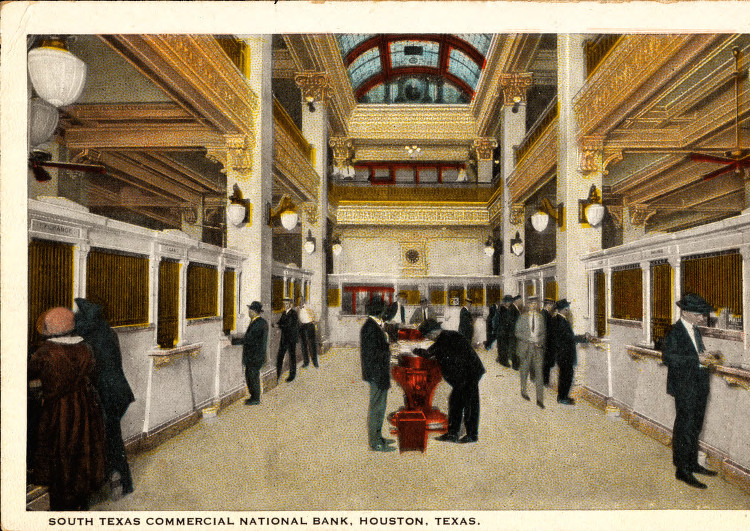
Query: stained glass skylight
{"points": [[430, 68]]}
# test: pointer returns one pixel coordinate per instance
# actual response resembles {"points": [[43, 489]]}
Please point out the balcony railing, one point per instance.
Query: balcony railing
{"points": [[597, 49], [235, 50], [282, 119], [535, 131], [410, 192]]}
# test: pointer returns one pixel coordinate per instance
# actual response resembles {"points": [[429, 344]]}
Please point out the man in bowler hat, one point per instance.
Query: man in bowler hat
{"points": [[462, 369], [561, 342], [376, 371], [289, 325], [688, 382], [465, 321], [254, 345]]}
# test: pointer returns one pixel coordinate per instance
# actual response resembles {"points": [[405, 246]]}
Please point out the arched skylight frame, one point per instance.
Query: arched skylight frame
{"points": [[376, 60]]}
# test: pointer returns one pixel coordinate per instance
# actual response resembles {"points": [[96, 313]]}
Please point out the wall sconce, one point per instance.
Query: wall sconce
{"points": [[57, 75], [309, 243], [310, 103], [489, 249], [591, 210], [238, 209], [541, 218], [516, 245], [336, 246], [286, 211]]}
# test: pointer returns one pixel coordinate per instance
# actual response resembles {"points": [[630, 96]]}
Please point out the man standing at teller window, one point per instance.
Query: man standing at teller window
{"points": [[289, 325], [254, 345], [531, 334], [688, 382]]}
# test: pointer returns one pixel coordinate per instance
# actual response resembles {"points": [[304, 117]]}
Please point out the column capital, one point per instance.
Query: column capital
{"points": [[235, 154], [484, 147], [315, 86], [342, 149], [516, 213], [515, 87]]}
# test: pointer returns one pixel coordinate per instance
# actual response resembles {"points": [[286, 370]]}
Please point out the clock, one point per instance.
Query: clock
{"points": [[412, 256]]}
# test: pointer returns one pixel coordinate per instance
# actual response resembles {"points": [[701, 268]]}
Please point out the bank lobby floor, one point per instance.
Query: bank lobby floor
{"points": [[304, 448]]}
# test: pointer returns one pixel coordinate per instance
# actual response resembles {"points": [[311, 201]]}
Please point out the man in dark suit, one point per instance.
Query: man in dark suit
{"points": [[688, 382], [254, 344], [376, 371], [422, 313], [465, 321], [489, 332], [548, 308], [501, 330], [510, 356], [561, 342], [289, 325], [462, 369]]}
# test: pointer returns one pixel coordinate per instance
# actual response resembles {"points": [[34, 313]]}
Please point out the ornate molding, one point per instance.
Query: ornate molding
{"points": [[484, 147], [411, 215], [315, 86], [422, 123], [640, 214], [616, 213], [515, 87], [595, 157], [311, 212], [236, 154], [197, 73], [517, 212], [342, 149], [292, 163]]}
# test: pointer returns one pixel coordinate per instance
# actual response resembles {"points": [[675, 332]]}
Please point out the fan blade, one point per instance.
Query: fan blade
{"points": [[40, 174], [701, 157], [89, 168], [720, 171]]}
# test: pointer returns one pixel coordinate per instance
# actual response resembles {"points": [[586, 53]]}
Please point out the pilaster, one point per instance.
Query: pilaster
{"points": [[573, 238], [513, 131]]}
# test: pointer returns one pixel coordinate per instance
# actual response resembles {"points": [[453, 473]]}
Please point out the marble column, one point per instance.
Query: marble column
{"points": [[314, 218], [513, 132], [248, 162], [573, 238]]}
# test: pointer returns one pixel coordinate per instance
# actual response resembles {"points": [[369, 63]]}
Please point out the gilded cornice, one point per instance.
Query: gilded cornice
{"points": [[637, 67], [292, 163], [495, 207], [385, 122], [535, 165], [143, 136], [415, 194], [196, 72], [236, 153], [429, 215]]}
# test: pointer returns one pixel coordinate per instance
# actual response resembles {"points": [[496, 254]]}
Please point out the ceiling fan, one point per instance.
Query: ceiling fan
{"points": [[39, 159], [737, 158]]}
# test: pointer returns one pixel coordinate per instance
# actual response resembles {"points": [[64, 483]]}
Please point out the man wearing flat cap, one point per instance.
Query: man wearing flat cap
{"points": [[462, 369], [688, 382], [376, 371], [289, 325], [254, 345]]}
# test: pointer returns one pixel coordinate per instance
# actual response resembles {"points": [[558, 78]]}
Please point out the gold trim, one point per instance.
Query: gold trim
{"points": [[515, 86], [484, 147], [538, 161], [348, 214], [315, 86]]}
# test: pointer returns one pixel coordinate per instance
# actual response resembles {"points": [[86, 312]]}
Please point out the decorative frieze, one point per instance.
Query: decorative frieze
{"points": [[411, 215], [516, 213]]}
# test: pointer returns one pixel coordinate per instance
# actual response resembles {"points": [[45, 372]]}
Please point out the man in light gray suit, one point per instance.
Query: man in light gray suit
{"points": [[531, 334]]}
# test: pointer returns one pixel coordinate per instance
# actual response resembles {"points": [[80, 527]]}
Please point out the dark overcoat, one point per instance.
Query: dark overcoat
{"points": [[111, 383], [375, 354], [289, 326], [681, 358], [459, 362], [466, 324], [562, 341], [254, 343]]}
